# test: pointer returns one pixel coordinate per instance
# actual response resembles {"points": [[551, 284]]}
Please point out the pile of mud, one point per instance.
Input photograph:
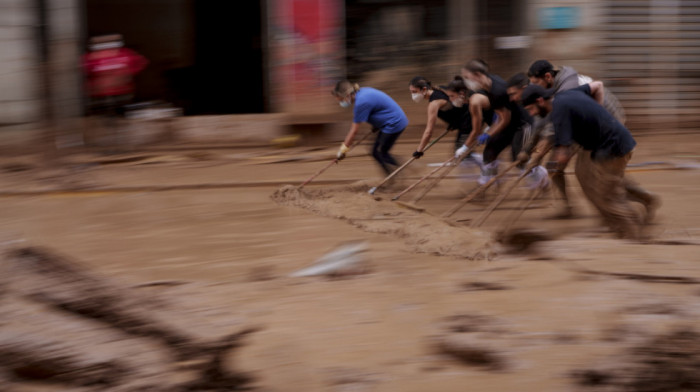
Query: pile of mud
{"points": [[422, 232], [667, 362], [69, 328]]}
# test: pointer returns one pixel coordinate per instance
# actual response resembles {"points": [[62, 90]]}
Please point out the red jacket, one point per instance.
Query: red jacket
{"points": [[110, 72]]}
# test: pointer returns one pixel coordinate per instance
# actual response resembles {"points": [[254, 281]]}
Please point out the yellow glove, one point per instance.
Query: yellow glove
{"points": [[342, 151]]}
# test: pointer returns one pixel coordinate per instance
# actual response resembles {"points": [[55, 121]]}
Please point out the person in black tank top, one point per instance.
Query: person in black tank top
{"points": [[505, 124], [439, 107]]}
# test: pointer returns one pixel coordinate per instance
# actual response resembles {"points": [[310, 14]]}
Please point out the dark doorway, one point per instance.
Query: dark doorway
{"points": [[205, 55], [228, 57]]}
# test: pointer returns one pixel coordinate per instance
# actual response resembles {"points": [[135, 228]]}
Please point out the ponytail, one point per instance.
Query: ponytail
{"points": [[420, 83], [457, 85], [345, 88]]}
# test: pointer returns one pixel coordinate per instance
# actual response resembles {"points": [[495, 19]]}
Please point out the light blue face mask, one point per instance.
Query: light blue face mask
{"points": [[344, 104]]}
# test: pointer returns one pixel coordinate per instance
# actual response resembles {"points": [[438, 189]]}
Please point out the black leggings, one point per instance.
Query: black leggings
{"points": [[508, 137], [462, 135], [380, 150]]}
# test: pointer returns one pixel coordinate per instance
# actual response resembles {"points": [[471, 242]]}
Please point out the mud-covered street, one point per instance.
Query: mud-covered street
{"points": [[174, 251]]}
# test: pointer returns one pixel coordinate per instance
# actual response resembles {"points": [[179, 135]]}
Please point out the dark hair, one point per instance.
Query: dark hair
{"points": [[533, 92], [539, 68], [518, 80], [477, 66], [420, 82], [345, 88], [457, 85]]}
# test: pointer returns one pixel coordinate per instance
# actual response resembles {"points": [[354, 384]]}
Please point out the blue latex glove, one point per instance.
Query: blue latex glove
{"points": [[483, 138]]}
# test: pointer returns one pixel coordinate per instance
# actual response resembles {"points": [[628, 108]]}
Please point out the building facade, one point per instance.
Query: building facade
{"points": [[283, 56]]}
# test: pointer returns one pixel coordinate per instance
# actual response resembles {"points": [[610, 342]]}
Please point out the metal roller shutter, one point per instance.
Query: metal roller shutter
{"points": [[651, 61]]}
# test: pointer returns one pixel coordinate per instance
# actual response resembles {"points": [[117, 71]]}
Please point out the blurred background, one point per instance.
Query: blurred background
{"points": [[270, 64]]}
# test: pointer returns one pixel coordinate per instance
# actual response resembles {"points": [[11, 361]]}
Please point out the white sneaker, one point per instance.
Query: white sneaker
{"points": [[537, 178], [483, 179], [488, 171], [472, 160]]}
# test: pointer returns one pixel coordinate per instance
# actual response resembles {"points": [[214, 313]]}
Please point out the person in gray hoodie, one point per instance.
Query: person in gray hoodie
{"points": [[543, 73]]}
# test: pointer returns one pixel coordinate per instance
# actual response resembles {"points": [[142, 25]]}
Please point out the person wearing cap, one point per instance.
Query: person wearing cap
{"points": [[578, 116], [490, 105], [452, 111], [544, 74], [379, 110], [538, 176]]}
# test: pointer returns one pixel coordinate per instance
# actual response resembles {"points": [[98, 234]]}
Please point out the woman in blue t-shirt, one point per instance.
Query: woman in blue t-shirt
{"points": [[379, 110]]}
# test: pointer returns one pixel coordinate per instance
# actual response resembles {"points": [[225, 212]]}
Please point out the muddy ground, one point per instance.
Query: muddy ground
{"points": [[203, 241]]}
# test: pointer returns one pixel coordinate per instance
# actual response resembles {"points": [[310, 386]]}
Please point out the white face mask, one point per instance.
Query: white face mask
{"points": [[472, 85], [457, 102], [417, 97], [344, 104]]}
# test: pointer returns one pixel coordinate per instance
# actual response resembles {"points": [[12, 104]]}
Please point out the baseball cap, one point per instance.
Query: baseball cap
{"points": [[539, 68], [534, 91]]}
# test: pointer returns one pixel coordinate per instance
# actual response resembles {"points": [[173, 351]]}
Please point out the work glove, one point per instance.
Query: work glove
{"points": [[417, 154], [342, 151], [461, 151], [483, 138]]}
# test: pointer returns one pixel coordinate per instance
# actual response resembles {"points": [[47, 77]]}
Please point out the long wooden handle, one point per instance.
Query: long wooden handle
{"points": [[336, 160], [476, 192], [455, 162], [478, 221], [318, 173], [435, 182], [395, 172], [519, 212], [423, 179]]}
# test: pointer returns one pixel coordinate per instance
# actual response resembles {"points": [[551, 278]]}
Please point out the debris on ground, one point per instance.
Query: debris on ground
{"points": [[668, 362], [68, 326]]}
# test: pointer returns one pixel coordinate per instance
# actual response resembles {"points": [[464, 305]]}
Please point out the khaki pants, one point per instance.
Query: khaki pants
{"points": [[604, 184]]}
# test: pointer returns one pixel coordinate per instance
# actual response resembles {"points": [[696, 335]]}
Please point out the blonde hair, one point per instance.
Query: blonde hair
{"points": [[345, 88]]}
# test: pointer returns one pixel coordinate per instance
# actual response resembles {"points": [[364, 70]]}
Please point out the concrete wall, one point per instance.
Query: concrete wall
{"points": [[19, 81], [64, 57], [25, 97]]}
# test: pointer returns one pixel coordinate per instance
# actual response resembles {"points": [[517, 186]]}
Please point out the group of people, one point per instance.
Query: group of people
{"points": [[546, 109]]}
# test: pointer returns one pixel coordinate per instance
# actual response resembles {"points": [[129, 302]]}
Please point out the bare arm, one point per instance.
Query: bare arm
{"points": [[477, 103], [502, 122], [351, 135], [433, 108], [597, 91], [562, 155]]}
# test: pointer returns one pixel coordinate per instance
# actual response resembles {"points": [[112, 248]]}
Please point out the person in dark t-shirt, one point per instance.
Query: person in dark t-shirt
{"points": [[453, 112], [578, 117], [491, 105]]}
